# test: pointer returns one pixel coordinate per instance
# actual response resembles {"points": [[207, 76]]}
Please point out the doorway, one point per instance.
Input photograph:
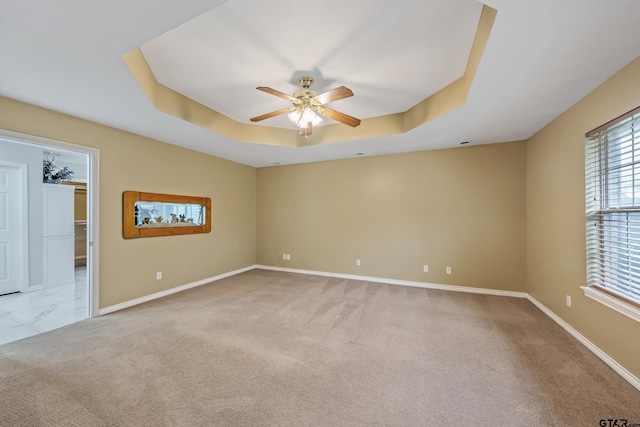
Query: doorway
{"points": [[42, 303]]}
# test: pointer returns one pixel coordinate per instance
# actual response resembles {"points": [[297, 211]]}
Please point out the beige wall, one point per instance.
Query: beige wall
{"points": [[463, 208], [130, 162], [556, 261]]}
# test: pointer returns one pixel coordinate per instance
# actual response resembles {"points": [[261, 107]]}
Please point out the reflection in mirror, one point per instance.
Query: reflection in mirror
{"points": [[153, 214], [159, 214]]}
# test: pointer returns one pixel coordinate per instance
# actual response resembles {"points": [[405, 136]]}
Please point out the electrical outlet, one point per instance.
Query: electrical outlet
{"points": [[568, 300], [358, 262], [284, 256], [159, 275], [288, 257], [425, 268], [448, 270]]}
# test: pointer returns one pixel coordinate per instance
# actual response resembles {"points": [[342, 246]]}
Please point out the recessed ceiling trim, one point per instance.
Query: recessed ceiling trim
{"points": [[171, 102], [455, 94], [445, 100]]}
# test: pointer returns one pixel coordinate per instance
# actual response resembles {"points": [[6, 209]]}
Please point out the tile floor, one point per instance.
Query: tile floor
{"points": [[30, 313]]}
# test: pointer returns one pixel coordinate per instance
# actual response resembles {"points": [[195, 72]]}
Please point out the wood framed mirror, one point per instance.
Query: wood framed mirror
{"points": [[155, 214]]}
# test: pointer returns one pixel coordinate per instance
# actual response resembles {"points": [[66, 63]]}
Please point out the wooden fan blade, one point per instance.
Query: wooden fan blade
{"points": [[340, 117], [277, 93], [269, 115], [334, 95]]}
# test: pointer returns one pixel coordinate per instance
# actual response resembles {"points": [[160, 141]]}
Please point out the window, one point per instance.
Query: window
{"points": [[612, 169]]}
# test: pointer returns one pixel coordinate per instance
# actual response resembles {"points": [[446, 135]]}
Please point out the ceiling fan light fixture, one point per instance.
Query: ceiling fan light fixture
{"points": [[294, 115], [302, 116], [309, 115], [297, 118]]}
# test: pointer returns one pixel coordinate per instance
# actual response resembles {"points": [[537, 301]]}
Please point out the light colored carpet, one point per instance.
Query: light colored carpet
{"points": [[268, 348]]}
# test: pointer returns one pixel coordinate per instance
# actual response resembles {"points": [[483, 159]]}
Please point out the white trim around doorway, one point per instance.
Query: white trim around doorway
{"points": [[93, 258]]}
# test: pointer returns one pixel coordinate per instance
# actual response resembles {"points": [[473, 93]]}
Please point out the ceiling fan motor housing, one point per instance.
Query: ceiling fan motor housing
{"points": [[305, 81], [305, 93]]}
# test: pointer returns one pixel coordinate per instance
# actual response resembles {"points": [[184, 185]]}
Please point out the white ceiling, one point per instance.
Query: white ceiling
{"points": [[542, 57]]}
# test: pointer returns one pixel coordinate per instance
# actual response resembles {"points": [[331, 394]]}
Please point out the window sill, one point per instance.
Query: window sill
{"points": [[621, 307]]}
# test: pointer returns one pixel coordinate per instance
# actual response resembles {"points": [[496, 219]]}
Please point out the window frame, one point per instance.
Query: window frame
{"points": [[601, 190]]}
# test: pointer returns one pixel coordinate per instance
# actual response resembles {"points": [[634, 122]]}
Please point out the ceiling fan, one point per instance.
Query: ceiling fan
{"points": [[308, 106]]}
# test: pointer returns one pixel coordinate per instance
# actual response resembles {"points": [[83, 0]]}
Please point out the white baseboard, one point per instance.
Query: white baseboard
{"points": [[161, 294], [620, 370], [424, 285], [151, 297]]}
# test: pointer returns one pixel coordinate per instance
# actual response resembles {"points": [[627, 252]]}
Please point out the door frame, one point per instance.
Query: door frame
{"points": [[23, 219], [93, 186]]}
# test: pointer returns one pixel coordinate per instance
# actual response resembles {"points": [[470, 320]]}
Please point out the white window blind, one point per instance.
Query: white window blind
{"points": [[612, 169]]}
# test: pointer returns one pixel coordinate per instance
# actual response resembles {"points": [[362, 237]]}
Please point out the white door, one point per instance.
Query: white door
{"points": [[12, 229]]}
